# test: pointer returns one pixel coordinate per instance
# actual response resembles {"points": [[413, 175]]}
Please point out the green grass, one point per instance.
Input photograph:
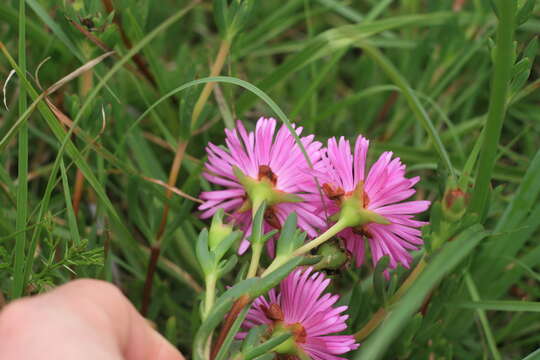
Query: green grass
{"points": [[419, 78]]}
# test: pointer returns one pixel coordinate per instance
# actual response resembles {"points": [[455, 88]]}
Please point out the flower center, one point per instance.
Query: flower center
{"points": [[274, 313], [338, 194], [353, 207], [298, 331], [266, 173], [263, 189]]}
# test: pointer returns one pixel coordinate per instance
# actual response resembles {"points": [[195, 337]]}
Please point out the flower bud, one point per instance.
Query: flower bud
{"points": [[454, 203], [333, 257], [218, 230]]}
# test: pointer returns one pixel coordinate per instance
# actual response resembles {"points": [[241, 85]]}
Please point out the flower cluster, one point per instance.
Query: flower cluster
{"points": [[335, 190]]}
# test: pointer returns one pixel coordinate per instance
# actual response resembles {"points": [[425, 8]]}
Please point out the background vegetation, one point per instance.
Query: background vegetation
{"points": [[83, 181]]}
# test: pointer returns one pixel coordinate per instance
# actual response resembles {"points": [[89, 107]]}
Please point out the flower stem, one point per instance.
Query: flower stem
{"points": [[210, 294], [332, 231], [255, 258], [256, 247], [379, 316], [328, 234], [504, 60]]}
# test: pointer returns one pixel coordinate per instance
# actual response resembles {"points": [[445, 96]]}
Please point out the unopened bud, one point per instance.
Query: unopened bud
{"points": [[218, 230], [333, 257], [455, 203]]}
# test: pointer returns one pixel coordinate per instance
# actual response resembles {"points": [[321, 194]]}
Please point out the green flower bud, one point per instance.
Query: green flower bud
{"points": [[333, 257], [218, 230], [454, 204]]}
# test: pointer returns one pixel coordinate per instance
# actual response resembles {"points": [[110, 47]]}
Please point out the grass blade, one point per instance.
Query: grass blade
{"points": [[473, 292], [504, 59], [22, 185], [444, 262], [500, 305]]}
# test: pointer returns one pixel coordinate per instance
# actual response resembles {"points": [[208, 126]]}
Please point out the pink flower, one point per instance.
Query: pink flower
{"points": [[263, 165], [300, 308], [388, 224]]}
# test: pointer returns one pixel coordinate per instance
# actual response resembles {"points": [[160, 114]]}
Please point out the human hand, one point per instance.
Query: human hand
{"points": [[82, 320]]}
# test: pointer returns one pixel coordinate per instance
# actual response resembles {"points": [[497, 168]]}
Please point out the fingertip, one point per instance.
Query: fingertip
{"points": [[165, 351]]}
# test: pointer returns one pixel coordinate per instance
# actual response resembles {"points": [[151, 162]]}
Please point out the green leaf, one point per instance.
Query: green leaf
{"points": [[504, 60], [501, 305], [490, 263], [253, 336], [442, 263], [226, 244], [226, 266], [287, 241], [521, 72], [206, 260], [257, 226], [525, 12], [533, 356], [72, 220], [379, 280], [267, 346], [266, 357], [221, 15]]}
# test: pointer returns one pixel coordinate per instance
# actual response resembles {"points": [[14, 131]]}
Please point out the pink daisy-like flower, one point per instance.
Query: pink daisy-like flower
{"points": [[386, 220], [264, 165], [301, 309]]}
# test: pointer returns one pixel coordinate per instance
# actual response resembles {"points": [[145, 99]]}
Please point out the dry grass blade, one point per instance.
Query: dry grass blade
{"points": [[43, 96], [11, 73], [172, 189], [85, 67]]}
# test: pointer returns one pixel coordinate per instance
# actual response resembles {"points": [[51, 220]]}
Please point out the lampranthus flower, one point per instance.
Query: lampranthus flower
{"points": [[372, 206], [301, 309], [264, 165]]}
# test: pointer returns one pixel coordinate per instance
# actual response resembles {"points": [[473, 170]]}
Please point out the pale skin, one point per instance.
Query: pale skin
{"points": [[83, 320]]}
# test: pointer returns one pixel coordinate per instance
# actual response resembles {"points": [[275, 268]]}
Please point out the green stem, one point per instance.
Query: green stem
{"points": [[22, 183], [504, 59], [255, 259], [210, 294], [256, 247], [328, 234]]}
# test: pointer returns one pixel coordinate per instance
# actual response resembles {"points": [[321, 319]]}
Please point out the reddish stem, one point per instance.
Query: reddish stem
{"points": [[228, 323]]}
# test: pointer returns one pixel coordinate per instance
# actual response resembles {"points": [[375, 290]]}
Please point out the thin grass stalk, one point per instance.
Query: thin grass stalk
{"points": [[22, 184], [504, 60], [475, 296]]}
